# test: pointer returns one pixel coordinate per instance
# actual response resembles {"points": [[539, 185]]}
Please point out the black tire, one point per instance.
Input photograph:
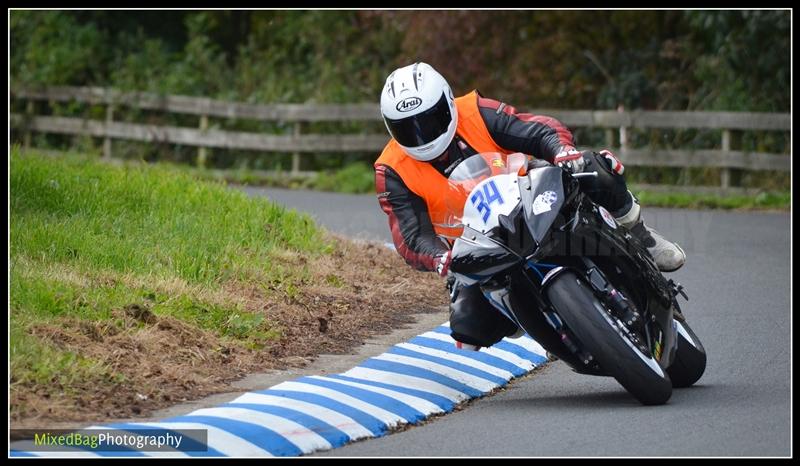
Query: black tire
{"points": [[690, 358], [587, 318]]}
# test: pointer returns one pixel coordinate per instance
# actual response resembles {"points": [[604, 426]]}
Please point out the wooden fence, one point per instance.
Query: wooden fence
{"points": [[614, 122]]}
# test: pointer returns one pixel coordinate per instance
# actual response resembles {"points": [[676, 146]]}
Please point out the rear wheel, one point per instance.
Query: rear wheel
{"points": [[608, 340], [690, 358]]}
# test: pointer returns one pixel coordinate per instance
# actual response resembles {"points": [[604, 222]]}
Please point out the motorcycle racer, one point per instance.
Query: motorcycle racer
{"points": [[432, 131]]}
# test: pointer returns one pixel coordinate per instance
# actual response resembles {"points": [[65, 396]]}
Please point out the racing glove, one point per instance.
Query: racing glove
{"points": [[613, 161], [570, 160]]}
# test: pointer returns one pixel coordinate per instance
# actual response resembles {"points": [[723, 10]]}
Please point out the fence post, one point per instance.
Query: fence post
{"points": [[725, 174], [296, 156], [623, 132], [29, 109], [201, 152], [107, 139]]}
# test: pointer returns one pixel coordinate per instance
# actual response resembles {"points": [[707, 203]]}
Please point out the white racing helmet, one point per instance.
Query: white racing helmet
{"points": [[419, 110]]}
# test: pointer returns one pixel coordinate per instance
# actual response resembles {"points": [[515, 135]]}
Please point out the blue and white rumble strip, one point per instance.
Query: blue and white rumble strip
{"points": [[406, 384]]}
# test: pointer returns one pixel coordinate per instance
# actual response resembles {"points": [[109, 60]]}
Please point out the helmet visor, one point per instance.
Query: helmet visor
{"points": [[422, 128]]}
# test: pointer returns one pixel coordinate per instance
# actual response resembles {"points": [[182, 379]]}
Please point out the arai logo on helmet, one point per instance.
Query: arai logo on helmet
{"points": [[408, 104]]}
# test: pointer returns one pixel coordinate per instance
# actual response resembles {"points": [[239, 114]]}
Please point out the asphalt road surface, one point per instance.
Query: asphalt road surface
{"points": [[737, 276]]}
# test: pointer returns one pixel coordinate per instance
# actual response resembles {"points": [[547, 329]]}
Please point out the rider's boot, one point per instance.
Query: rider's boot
{"points": [[668, 256]]}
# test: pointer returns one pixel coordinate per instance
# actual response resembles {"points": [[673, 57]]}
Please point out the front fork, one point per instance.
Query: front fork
{"points": [[619, 304], [623, 309]]}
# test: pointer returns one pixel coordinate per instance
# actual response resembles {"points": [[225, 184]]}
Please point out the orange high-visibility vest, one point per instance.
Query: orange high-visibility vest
{"points": [[423, 180]]}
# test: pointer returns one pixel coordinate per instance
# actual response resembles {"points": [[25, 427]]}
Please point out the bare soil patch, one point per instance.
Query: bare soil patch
{"points": [[359, 291]]}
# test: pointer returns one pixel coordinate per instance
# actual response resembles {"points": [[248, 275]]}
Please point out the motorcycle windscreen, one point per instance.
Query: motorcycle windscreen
{"points": [[544, 200]]}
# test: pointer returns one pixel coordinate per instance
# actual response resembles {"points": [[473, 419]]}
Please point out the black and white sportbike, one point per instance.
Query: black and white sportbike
{"points": [[560, 267]]}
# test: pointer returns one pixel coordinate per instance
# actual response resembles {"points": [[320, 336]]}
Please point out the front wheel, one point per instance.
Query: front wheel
{"points": [[606, 339], [690, 358]]}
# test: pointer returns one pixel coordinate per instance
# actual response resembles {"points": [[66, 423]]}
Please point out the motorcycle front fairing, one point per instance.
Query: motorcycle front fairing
{"points": [[515, 234], [476, 258], [484, 200]]}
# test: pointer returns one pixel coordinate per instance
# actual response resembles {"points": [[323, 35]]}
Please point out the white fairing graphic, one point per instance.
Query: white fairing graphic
{"points": [[498, 195], [543, 202]]}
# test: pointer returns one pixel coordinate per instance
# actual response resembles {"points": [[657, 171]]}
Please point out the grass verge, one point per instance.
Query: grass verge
{"points": [[765, 200], [355, 178], [134, 287]]}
